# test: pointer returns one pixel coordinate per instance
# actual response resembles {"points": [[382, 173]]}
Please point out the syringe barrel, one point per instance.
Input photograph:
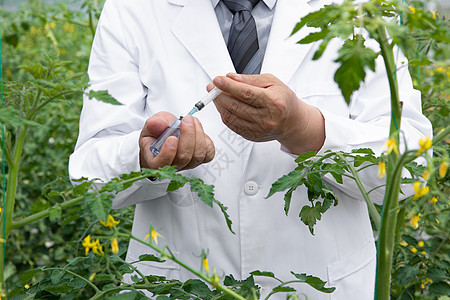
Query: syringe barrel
{"points": [[172, 130]]}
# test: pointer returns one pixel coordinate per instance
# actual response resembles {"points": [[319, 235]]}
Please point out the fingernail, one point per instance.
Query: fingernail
{"points": [[218, 80], [188, 119]]}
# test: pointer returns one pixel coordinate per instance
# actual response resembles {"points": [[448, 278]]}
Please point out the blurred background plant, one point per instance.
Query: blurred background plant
{"points": [[66, 29]]}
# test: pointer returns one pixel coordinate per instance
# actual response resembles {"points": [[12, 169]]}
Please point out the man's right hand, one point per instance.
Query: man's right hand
{"points": [[191, 149]]}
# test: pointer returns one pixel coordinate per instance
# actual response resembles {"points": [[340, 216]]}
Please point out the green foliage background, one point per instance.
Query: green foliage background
{"points": [[37, 29]]}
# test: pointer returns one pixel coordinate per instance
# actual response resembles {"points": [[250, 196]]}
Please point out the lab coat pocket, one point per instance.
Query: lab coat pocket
{"points": [[137, 249], [183, 197], [354, 275]]}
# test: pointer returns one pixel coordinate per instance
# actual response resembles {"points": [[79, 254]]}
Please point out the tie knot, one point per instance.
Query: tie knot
{"points": [[240, 5]]}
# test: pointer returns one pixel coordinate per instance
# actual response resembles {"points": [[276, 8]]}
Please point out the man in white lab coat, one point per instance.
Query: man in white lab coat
{"points": [[157, 57]]}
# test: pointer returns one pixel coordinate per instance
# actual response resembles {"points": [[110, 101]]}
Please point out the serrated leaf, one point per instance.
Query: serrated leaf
{"points": [[56, 276], [314, 37], [286, 182], [314, 282], [100, 205], [287, 200], [224, 209], [55, 213], [305, 156], [11, 116], [353, 57], [204, 191], [263, 273], [26, 276], [151, 257], [310, 214], [283, 289], [103, 96]]}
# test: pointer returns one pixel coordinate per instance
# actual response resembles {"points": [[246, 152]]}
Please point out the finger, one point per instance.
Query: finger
{"points": [[235, 123], [200, 146], [249, 94], [210, 149], [257, 80], [231, 108], [186, 143], [155, 125], [210, 86], [166, 155]]}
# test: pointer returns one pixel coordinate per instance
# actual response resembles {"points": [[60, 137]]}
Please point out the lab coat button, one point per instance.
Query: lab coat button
{"points": [[250, 188]]}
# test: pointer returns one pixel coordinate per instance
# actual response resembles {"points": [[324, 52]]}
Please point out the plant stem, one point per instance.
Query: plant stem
{"points": [[389, 217], [44, 213], [198, 273], [102, 294], [373, 212]]}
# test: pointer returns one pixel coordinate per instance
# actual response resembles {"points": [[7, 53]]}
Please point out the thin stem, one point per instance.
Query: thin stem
{"points": [[8, 157], [33, 111], [198, 273], [45, 213], [373, 212], [125, 287]]}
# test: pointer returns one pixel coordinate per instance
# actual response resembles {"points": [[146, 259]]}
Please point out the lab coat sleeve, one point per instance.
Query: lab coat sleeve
{"points": [[107, 144], [367, 126]]}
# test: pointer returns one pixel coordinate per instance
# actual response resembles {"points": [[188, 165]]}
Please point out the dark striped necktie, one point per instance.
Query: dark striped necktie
{"points": [[243, 40]]}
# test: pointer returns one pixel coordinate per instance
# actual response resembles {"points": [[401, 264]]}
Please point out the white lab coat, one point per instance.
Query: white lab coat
{"points": [[159, 55]]}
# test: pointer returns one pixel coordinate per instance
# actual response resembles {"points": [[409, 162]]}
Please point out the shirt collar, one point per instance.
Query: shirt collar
{"points": [[269, 3]]}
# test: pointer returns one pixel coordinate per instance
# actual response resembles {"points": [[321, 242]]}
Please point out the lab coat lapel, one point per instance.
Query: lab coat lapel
{"points": [[196, 27], [283, 54]]}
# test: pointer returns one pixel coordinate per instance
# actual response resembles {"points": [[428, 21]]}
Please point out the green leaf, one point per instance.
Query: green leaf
{"points": [[283, 289], [224, 209], [205, 192], [198, 288], [440, 288], [314, 282], [305, 156], [353, 57], [310, 214], [103, 96], [313, 37], [287, 200], [11, 116], [293, 179], [150, 257], [26, 276], [100, 205], [263, 273], [56, 276], [55, 213]]}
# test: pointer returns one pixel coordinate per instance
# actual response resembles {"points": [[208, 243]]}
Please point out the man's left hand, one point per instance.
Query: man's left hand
{"points": [[261, 108]]}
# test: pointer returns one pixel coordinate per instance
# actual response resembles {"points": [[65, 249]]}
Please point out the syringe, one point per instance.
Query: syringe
{"points": [[174, 127]]}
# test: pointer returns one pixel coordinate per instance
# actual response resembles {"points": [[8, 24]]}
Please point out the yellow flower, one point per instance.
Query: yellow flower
{"points": [[420, 243], [424, 253], [412, 9], [434, 12], [155, 236], [94, 245], [110, 222], [443, 169], [392, 145], [403, 243], [433, 200], [425, 143], [381, 169], [415, 222], [115, 246], [27, 286], [87, 244], [52, 25], [421, 190], [205, 265], [147, 236], [426, 174], [437, 221], [91, 278], [422, 286], [428, 280], [413, 250]]}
